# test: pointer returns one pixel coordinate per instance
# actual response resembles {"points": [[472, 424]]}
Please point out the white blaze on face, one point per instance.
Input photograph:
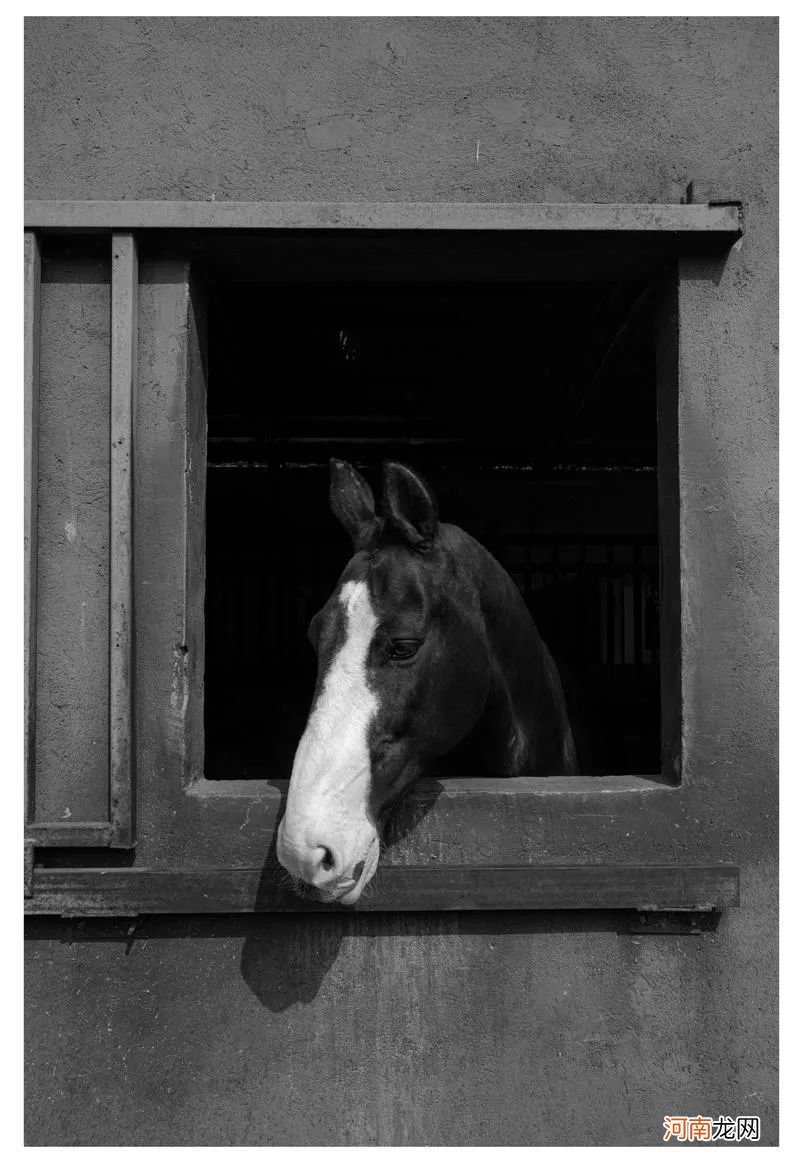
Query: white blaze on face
{"points": [[329, 788]]}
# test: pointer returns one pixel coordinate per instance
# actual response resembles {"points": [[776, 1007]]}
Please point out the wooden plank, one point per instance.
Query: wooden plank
{"points": [[70, 834], [110, 891], [72, 586], [497, 216], [670, 564], [192, 660], [32, 304], [124, 324]]}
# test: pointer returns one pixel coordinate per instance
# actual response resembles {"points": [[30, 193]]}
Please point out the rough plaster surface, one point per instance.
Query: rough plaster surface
{"points": [[72, 570], [393, 109], [434, 1029], [473, 1029]]}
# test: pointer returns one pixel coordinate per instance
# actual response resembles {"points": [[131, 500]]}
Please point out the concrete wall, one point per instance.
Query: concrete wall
{"points": [[440, 1029]]}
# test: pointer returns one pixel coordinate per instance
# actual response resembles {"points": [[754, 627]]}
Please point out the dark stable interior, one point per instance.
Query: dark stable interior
{"points": [[531, 410]]}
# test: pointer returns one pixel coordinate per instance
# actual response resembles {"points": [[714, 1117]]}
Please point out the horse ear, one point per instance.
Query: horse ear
{"points": [[409, 504], [352, 503]]}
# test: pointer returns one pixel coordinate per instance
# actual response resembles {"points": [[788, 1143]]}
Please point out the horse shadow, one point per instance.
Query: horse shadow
{"points": [[287, 955]]}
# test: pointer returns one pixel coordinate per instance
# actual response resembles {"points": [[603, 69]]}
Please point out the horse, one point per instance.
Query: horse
{"points": [[424, 645]]}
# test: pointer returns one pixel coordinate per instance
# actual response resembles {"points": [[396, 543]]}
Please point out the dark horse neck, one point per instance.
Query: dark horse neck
{"points": [[525, 727]]}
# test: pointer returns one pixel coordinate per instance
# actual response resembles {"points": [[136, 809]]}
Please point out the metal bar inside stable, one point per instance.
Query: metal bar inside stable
{"points": [[124, 323], [500, 216]]}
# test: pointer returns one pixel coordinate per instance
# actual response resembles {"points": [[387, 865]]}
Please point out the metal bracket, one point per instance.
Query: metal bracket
{"points": [[675, 921], [704, 191], [28, 868]]}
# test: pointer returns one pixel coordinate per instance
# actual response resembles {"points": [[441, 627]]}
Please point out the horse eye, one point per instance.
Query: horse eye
{"points": [[402, 648]]}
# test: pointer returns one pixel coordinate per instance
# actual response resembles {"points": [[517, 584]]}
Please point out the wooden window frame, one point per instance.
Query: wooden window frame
{"points": [[118, 830], [583, 842]]}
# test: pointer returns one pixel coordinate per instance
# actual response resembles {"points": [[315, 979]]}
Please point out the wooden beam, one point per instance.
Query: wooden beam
{"points": [[647, 888], [70, 834], [32, 312], [497, 216], [672, 581], [124, 324]]}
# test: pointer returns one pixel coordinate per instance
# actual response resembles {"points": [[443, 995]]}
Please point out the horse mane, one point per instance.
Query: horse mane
{"points": [[527, 708]]}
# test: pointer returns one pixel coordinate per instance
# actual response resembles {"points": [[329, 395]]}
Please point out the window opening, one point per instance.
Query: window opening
{"points": [[531, 410]]}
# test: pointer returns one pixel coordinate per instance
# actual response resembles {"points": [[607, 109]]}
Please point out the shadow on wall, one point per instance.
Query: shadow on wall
{"points": [[287, 962], [286, 957]]}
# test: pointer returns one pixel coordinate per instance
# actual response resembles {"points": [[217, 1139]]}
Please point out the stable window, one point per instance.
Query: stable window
{"points": [[531, 410], [535, 363]]}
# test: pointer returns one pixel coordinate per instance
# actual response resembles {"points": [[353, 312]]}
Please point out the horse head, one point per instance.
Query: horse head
{"points": [[412, 649]]}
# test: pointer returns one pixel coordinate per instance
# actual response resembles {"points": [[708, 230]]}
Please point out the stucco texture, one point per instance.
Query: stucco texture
{"points": [[565, 110], [445, 1029]]}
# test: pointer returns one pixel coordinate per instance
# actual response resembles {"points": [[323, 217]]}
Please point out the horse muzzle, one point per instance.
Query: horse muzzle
{"points": [[337, 870]]}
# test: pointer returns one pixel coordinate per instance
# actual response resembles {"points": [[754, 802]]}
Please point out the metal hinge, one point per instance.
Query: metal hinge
{"points": [[706, 192]]}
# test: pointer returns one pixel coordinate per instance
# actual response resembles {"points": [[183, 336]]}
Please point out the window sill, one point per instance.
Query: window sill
{"points": [[454, 788], [425, 876]]}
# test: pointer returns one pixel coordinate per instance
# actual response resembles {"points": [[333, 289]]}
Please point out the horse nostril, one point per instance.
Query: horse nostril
{"points": [[359, 868], [327, 861]]}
